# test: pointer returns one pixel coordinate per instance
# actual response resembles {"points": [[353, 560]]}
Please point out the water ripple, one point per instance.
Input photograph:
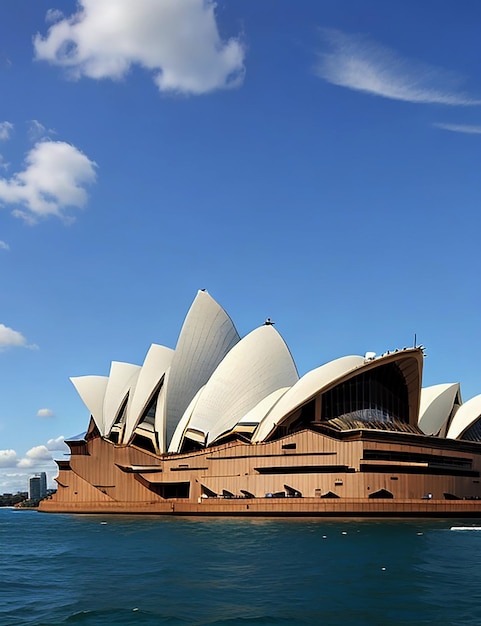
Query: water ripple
{"points": [[73, 570]]}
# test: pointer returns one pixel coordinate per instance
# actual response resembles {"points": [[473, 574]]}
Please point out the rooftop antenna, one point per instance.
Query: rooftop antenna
{"points": [[421, 347]]}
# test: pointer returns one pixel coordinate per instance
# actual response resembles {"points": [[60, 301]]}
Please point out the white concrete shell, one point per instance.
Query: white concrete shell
{"points": [[206, 337], [156, 363], [465, 416], [309, 385], [436, 405], [257, 366], [154, 432], [251, 420], [160, 417], [122, 378], [92, 391], [176, 441]]}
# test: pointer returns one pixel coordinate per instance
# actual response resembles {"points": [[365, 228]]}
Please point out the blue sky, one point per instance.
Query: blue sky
{"points": [[316, 162]]}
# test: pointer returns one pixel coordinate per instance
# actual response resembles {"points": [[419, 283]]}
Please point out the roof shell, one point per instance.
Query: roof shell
{"points": [[409, 361], [257, 414], [159, 423], [436, 406], [257, 366], [465, 416], [156, 363], [92, 391], [206, 337], [307, 386], [122, 378], [176, 441]]}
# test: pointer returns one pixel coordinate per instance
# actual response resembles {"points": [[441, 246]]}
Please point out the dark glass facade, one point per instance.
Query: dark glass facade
{"points": [[378, 395], [149, 415], [473, 433]]}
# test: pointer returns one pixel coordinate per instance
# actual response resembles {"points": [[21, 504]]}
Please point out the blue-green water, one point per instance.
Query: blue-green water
{"points": [[79, 570]]}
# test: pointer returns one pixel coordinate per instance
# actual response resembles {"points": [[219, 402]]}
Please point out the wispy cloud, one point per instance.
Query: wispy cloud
{"points": [[4, 245], [54, 179], [460, 128], [5, 62], [37, 131], [53, 15], [3, 164], [6, 129], [178, 42], [45, 413], [354, 62]]}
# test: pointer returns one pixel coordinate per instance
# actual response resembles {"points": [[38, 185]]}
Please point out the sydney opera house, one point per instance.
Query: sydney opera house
{"points": [[224, 425]]}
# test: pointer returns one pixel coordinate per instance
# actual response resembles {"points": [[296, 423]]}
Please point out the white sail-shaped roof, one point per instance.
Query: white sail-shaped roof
{"points": [[465, 416], [122, 378], [206, 337], [257, 414], [176, 441], [159, 418], [92, 391], [307, 386], [436, 406], [156, 363], [257, 366]]}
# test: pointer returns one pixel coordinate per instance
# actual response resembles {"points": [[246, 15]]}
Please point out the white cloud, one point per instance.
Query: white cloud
{"points": [[37, 459], [26, 463], [39, 453], [11, 338], [4, 245], [460, 128], [53, 180], [178, 42], [45, 413], [6, 129], [354, 62], [34, 456], [8, 458], [57, 445]]}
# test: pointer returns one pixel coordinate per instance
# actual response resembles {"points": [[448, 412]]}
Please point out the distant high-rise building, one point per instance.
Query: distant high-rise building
{"points": [[37, 486], [43, 484], [34, 488]]}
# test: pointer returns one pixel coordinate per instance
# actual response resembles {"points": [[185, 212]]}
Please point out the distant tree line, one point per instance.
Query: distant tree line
{"points": [[21, 499], [11, 499]]}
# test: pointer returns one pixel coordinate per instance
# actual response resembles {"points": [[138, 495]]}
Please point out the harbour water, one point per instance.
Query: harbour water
{"points": [[90, 570]]}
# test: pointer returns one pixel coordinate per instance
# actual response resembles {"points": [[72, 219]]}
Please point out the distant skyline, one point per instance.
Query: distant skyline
{"points": [[315, 162]]}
